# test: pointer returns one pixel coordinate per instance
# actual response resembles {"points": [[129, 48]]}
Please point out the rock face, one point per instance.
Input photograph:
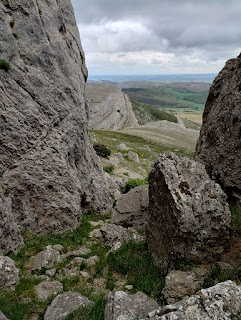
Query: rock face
{"points": [[180, 284], [123, 306], [219, 147], [110, 108], [8, 273], [222, 301], [65, 304], [47, 164], [46, 259], [10, 238], [2, 316], [46, 289], [131, 209], [188, 214]]}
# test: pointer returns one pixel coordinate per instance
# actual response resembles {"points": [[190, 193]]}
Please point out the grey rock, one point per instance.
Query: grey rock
{"points": [[188, 214], [109, 108], [47, 162], [58, 247], [114, 236], [131, 209], [46, 259], [65, 304], [2, 316], [97, 223], [133, 156], [122, 146], [9, 278], [51, 272], [46, 289], [222, 301], [180, 284], [10, 237], [82, 251], [218, 147], [123, 306]]}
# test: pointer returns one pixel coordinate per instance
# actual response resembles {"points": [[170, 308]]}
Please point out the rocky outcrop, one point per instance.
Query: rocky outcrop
{"points": [[46, 259], [10, 238], [8, 273], [110, 108], [47, 164], [123, 306], [222, 301], [219, 147], [65, 304], [2, 316], [188, 214], [180, 284], [131, 209]]}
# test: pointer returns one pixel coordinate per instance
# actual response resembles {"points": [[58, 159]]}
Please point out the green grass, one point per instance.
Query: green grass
{"points": [[108, 169], [4, 65], [132, 183], [134, 261]]}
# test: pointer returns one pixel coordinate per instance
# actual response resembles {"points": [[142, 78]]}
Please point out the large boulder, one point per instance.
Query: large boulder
{"points": [[218, 147], [46, 259], [131, 209], [222, 301], [65, 304], [123, 306], [8, 273], [47, 289], [189, 217], [47, 164]]}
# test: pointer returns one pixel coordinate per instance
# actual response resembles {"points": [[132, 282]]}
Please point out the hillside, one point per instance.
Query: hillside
{"points": [[145, 113]]}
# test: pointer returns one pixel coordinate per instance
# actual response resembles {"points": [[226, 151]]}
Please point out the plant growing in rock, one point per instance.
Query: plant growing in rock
{"points": [[102, 150], [4, 65], [108, 169], [132, 183]]}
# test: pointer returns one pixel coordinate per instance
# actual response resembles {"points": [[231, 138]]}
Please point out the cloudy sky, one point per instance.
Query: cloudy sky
{"points": [[158, 36]]}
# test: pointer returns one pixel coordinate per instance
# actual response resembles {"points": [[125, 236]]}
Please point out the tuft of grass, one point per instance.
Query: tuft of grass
{"points": [[4, 65], [108, 169], [102, 150], [6, 3], [134, 261], [132, 183], [12, 23]]}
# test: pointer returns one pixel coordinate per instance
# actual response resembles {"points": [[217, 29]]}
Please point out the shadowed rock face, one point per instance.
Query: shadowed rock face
{"points": [[219, 145], [47, 163], [189, 217]]}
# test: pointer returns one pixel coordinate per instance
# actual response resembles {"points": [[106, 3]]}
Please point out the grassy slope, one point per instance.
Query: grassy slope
{"points": [[145, 113]]}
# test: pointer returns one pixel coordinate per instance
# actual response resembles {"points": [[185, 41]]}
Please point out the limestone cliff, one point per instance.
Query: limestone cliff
{"points": [[110, 108], [48, 167], [219, 145]]}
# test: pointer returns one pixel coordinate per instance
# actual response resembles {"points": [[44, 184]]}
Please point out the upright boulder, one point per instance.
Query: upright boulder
{"points": [[8, 273], [219, 145], [47, 164], [189, 217]]}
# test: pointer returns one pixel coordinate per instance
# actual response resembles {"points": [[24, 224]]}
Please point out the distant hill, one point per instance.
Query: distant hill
{"points": [[145, 113]]}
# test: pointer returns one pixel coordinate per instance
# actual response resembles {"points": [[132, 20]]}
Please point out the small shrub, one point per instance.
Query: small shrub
{"points": [[109, 169], [6, 3], [131, 184], [102, 150], [15, 35], [4, 65]]}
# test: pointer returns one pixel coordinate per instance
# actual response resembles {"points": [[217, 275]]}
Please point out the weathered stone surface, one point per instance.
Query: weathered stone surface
{"points": [[10, 238], [133, 156], [218, 147], [2, 316], [65, 304], [222, 301], [122, 146], [8, 273], [47, 163], [46, 289], [123, 306], [188, 214], [46, 259], [131, 209], [114, 236], [180, 284], [58, 247], [109, 107]]}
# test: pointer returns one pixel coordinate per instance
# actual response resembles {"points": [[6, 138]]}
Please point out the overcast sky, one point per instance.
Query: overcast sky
{"points": [[158, 36]]}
